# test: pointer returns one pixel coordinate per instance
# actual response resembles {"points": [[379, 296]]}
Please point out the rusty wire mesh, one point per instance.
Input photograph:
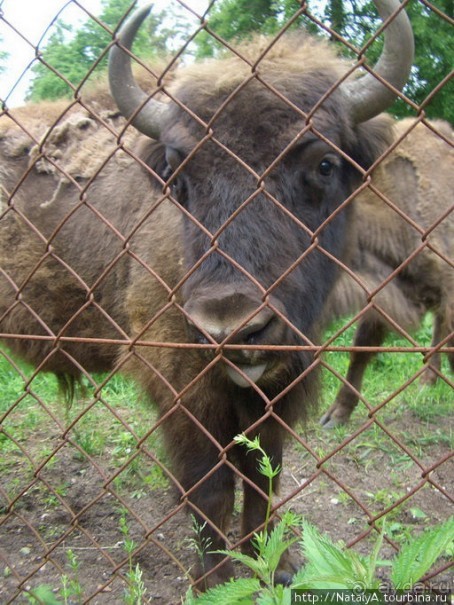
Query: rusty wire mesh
{"points": [[63, 494]]}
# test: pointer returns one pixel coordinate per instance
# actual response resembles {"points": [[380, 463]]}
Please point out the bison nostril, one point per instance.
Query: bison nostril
{"points": [[232, 318], [259, 330], [256, 337], [200, 338], [197, 336], [251, 339]]}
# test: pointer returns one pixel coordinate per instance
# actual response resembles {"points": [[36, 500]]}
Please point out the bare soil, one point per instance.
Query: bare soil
{"points": [[73, 503]]}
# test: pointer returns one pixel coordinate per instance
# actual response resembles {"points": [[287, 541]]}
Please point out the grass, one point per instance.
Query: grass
{"points": [[38, 410], [34, 418], [387, 372], [428, 406]]}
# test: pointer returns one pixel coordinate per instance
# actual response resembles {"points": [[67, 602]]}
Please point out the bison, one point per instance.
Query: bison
{"points": [[418, 179], [198, 257]]}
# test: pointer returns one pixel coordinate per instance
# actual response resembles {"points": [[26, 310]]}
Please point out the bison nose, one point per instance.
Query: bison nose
{"points": [[238, 318], [239, 326]]}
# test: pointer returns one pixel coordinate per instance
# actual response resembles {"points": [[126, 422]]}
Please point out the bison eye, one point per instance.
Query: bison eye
{"points": [[173, 158], [326, 167]]}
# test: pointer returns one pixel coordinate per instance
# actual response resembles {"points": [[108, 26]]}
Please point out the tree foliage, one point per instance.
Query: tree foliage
{"points": [[71, 56], [434, 59], [3, 57], [434, 49], [356, 21], [238, 19]]}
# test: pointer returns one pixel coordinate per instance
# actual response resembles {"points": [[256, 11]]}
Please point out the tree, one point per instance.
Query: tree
{"points": [[434, 44], [335, 12], [3, 57], [434, 49], [356, 21], [235, 19], [71, 55]]}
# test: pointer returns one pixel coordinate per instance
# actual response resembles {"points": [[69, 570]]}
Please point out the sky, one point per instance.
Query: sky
{"points": [[31, 18]]}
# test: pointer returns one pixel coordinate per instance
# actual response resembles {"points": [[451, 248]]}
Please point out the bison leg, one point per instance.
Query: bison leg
{"points": [[370, 333], [255, 503], [211, 504], [440, 330]]}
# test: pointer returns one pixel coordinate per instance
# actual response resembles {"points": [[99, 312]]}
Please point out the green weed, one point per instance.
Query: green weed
{"points": [[135, 591], [155, 478], [199, 543], [70, 591], [332, 566], [328, 565], [42, 595]]}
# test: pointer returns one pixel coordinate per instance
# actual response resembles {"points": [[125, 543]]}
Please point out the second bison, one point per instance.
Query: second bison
{"points": [[402, 254]]}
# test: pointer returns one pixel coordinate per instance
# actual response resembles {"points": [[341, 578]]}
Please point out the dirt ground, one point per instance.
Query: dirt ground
{"points": [[47, 523]]}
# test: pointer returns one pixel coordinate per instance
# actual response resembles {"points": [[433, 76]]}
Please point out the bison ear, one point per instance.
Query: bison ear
{"points": [[372, 139], [153, 154]]}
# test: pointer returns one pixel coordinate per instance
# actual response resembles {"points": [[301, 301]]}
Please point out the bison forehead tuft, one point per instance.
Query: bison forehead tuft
{"points": [[283, 65], [261, 103]]}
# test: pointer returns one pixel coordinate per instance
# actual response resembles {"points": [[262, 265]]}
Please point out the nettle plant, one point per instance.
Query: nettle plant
{"points": [[327, 565]]}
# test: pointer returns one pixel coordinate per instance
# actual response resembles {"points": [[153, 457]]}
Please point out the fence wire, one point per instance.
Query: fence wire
{"points": [[90, 501]]}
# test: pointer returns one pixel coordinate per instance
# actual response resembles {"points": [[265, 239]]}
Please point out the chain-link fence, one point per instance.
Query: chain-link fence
{"points": [[242, 259]]}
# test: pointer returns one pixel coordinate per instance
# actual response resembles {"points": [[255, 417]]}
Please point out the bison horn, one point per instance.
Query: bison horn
{"points": [[368, 95], [145, 113]]}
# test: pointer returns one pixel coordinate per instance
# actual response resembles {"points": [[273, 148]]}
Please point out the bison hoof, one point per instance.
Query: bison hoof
{"points": [[220, 576], [332, 419], [428, 377], [283, 577], [287, 568]]}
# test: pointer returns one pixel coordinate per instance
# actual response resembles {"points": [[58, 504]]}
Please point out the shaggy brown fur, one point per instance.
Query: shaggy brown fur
{"points": [[418, 178], [117, 257]]}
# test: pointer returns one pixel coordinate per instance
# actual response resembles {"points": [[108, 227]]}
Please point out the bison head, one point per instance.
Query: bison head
{"points": [[261, 155]]}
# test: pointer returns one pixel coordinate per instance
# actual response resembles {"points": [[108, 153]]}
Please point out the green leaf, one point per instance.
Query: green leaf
{"points": [[234, 592], [417, 513], [250, 444], [257, 564], [326, 560], [276, 545], [277, 595], [417, 556], [331, 566], [45, 595], [267, 469]]}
